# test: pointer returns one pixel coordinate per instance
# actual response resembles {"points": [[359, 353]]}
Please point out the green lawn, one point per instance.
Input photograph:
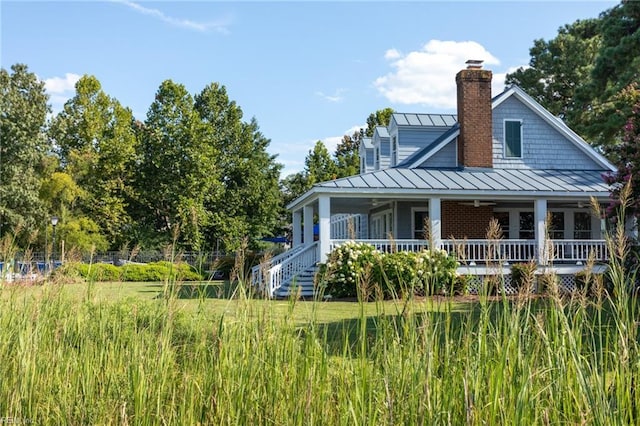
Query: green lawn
{"points": [[219, 297]]}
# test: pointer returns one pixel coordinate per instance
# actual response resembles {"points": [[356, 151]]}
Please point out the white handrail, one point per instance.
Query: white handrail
{"points": [[492, 250], [478, 250], [579, 250], [271, 275], [387, 245]]}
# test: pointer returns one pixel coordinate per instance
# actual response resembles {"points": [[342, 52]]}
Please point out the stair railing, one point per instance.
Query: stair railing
{"points": [[276, 272]]}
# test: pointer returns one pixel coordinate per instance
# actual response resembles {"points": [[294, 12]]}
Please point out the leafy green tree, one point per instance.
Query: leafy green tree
{"points": [[629, 168], [381, 117], [23, 114], [559, 66], [347, 156], [97, 147], [179, 174], [319, 166], [247, 203], [605, 103]]}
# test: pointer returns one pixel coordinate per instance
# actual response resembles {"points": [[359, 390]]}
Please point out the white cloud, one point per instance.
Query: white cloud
{"points": [[336, 97], [61, 85], [426, 76], [60, 90], [220, 26], [392, 54], [293, 155]]}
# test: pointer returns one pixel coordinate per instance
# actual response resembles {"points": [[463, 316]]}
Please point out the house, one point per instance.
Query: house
{"points": [[505, 158]]}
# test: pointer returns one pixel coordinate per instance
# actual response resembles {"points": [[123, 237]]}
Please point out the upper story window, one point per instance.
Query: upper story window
{"points": [[394, 151], [513, 138], [376, 160], [363, 164]]}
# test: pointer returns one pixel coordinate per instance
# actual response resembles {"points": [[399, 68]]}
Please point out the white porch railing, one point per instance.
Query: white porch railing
{"points": [[491, 250], [387, 245], [279, 270], [579, 250], [468, 251]]}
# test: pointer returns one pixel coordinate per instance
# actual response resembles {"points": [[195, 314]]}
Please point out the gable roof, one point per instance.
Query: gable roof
{"points": [[424, 154], [366, 143], [382, 131]]}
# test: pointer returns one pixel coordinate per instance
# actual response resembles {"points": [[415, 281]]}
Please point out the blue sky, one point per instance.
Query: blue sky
{"points": [[306, 71]]}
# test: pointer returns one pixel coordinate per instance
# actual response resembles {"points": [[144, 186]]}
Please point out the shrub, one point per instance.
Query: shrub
{"points": [[347, 265], [355, 266], [523, 274], [155, 271]]}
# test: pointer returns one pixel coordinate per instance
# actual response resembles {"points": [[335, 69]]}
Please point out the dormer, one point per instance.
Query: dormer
{"points": [[366, 152], [411, 133], [381, 149]]}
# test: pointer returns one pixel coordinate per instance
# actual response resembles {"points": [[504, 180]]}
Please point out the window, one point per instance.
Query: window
{"points": [[394, 151], [556, 226], [376, 165], [581, 226], [382, 225], [527, 231], [420, 223], [513, 138], [363, 165], [503, 222]]}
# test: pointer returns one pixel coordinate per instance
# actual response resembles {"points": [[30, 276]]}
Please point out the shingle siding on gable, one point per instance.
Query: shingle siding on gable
{"points": [[446, 157], [543, 147], [411, 140]]}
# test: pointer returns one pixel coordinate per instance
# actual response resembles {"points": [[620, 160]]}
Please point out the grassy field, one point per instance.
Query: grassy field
{"points": [[140, 353]]}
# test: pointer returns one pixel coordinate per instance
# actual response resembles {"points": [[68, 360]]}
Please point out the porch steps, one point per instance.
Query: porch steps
{"points": [[301, 285]]}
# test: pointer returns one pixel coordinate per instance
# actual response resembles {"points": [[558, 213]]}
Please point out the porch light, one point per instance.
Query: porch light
{"points": [[476, 203]]}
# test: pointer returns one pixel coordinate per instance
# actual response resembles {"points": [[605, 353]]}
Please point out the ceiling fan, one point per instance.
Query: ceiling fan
{"points": [[477, 203]]}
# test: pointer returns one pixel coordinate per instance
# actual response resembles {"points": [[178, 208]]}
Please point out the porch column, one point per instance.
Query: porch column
{"points": [[540, 218], [308, 224], [297, 227], [324, 221], [436, 223]]}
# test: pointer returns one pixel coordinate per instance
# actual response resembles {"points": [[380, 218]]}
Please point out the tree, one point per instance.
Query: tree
{"points": [[179, 174], [559, 66], [247, 203], [23, 113], [582, 73], [629, 169], [97, 147], [381, 117], [347, 156], [617, 68]]}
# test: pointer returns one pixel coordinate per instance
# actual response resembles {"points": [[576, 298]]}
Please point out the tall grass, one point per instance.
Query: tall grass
{"points": [[557, 360]]}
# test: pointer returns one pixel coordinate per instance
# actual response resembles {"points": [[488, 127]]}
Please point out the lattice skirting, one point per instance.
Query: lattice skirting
{"points": [[566, 283]]}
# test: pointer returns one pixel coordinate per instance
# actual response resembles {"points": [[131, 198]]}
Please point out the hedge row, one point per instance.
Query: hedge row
{"points": [[155, 271]]}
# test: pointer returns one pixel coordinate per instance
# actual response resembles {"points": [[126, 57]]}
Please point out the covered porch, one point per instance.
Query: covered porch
{"points": [[547, 231]]}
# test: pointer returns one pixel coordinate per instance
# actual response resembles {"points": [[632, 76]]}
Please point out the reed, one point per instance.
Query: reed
{"points": [[523, 360]]}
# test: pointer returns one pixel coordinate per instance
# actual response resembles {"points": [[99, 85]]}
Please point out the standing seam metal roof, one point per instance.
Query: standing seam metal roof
{"points": [[476, 179]]}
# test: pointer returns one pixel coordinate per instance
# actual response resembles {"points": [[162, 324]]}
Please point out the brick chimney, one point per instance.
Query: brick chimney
{"points": [[475, 143]]}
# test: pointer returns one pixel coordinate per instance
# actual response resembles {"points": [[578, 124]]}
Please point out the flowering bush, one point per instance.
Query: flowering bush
{"points": [[349, 265], [354, 266], [425, 272]]}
